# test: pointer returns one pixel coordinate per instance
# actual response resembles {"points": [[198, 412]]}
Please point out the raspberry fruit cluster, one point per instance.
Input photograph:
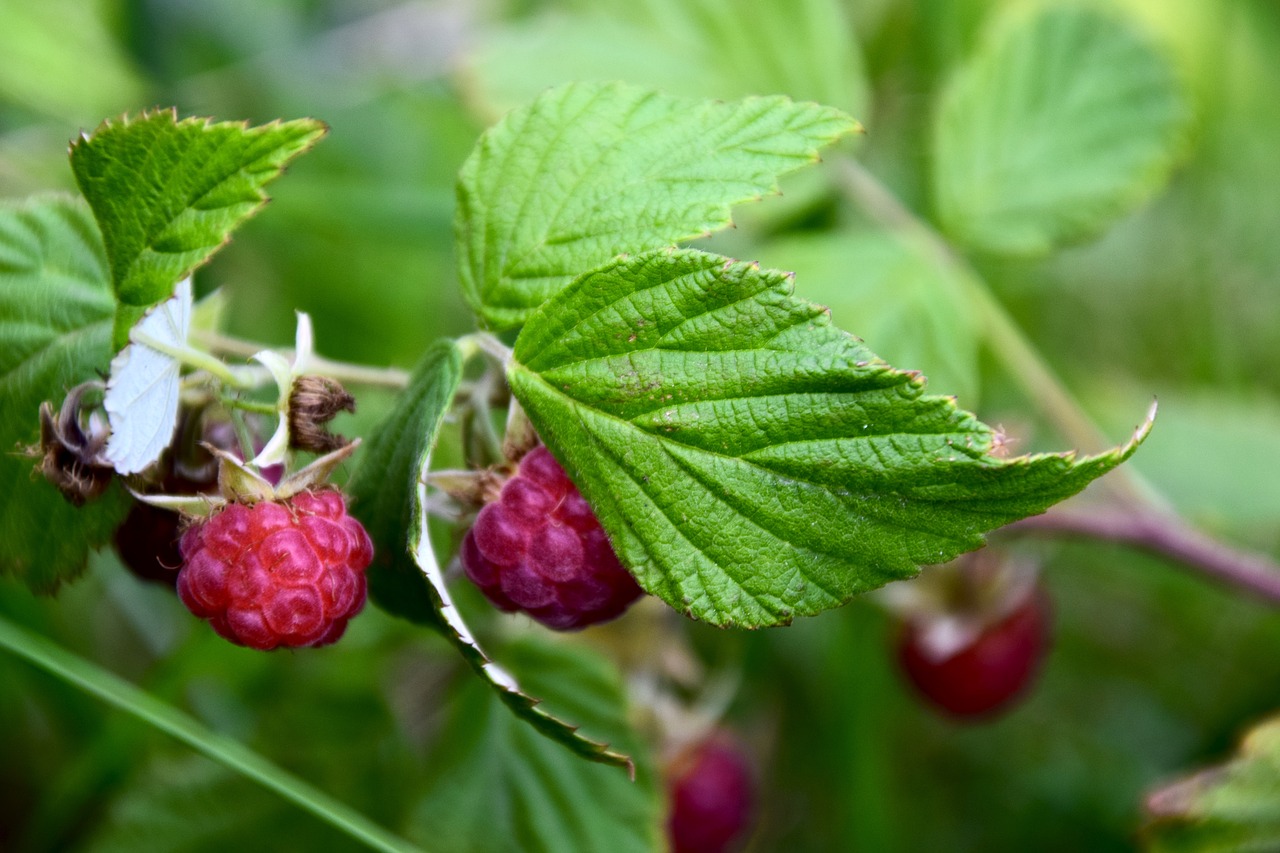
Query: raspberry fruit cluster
{"points": [[712, 797], [277, 573], [540, 549]]}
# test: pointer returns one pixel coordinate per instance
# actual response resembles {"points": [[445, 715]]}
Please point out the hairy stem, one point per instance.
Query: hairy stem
{"points": [[359, 374]]}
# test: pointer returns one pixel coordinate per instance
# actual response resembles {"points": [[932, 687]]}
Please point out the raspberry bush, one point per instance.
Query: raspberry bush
{"points": [[632, 427]]}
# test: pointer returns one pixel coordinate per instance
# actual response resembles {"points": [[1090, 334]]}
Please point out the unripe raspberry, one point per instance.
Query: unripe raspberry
{"points": [[711, 794], [540, 549], [277, 573], [988, 672]]}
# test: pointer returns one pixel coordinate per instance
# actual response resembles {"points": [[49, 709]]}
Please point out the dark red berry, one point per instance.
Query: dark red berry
{"points": [[147, 541], [712, 798], [985, 674], [539, 549], [287, 573]]}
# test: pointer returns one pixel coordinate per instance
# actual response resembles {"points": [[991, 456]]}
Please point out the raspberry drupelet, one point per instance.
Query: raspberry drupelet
{"points": [[539, 549], [277, 573]]}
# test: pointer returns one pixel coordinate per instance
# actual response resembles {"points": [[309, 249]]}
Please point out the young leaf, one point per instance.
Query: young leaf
{"points": [[384, 487], [592, 170], [1066, 119], [496, 785], [55, 328], [168, 193], [750, 462], [142, 393], [1230, 807]]}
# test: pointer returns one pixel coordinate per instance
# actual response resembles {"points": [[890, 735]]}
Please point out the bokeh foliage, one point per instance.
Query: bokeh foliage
{"points": [[1153, 672]]}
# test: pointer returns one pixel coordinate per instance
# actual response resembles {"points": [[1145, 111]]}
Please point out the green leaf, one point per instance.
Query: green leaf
{"points": [[496, 785], [167, 193], [1233, 807], [905, 303], [750, 462], [589, 171], [450, 622], [805, 49], [384, 488], [1065, 120], [55, 328]]}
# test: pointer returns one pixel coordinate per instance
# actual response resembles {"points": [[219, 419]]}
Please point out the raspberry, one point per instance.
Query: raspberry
{"points": [[540, 549], [286, 573], [147, 541], [988, 673], [711, 794]]}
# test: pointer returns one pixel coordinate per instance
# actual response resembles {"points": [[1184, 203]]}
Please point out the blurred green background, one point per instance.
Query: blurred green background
{"points": [[1153, 672]]}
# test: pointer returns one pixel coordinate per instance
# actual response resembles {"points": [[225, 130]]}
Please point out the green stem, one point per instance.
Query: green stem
{"points": [[114, 690], [191, 357], [250, 406], [357, 374]]}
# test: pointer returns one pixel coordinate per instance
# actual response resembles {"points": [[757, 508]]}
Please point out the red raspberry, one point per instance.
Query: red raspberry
{"points": [[539, 549], [712, 796], [287, 573], [991, 671]]}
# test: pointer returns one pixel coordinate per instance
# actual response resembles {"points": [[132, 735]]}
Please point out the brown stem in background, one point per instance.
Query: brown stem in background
{"points": [[1165, 536]]}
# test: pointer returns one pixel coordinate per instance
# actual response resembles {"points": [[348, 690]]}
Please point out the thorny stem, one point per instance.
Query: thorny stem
{"points": [[1153, 525], [359, 374]]}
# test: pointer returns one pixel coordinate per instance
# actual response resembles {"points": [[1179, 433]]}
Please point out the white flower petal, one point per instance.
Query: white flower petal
{"points": [[142, 393], [304, 345], [274, 451]]}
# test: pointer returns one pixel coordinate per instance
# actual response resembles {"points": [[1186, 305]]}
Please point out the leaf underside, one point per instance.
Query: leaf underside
{"points": [[751, 462], [589, 171], [55, 330], [385, 486], [388, 494], [1067, 119], [167, 193]]}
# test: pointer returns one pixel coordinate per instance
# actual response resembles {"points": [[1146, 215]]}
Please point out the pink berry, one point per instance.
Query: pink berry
{"points": [[987, 674], [712, 798], [287, 573], [539, 549]]}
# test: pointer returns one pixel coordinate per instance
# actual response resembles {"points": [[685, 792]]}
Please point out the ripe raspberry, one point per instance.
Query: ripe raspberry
{"points": [[540, 549], [277, 573], [988, 673], [711, 794]]}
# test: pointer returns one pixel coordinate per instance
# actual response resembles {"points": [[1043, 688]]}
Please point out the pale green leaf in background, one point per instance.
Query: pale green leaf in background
{"points": [[750, 462], [497, 786], [895, 295], [48, 46], [805, 49], [1227, 809], [55, 331], [1066, 119], [168, 193], [589, 171]]}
